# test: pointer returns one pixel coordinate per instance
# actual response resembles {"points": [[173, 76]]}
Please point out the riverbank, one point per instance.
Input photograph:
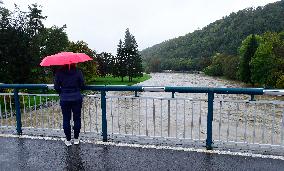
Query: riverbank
{"points": [[156, 114], [109, 80]]}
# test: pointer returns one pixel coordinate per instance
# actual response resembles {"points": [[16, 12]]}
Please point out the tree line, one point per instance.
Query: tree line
{"points": [[222, 36], [245, 46], [127, 62], [260, 61], [25, 41]]}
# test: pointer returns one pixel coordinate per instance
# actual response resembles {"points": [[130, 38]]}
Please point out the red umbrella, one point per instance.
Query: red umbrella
{"points": [[63, 58]]}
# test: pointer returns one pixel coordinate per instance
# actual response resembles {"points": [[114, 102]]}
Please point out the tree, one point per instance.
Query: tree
{"points": [[129, 56], [247, 51], [35, 24], [5, 29], [14, 43], [135, 69], [262, 63], [55, 40], [216, 68], [121, 61], [230, 67], [154, 65], [89, 68], [224, 35], [268, 63], [35, 30], [111, 68], [105, 63], [24, 41]]}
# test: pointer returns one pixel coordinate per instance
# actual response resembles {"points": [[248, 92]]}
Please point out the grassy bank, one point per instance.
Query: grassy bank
{"points": [[32, 100], [109, 80]]}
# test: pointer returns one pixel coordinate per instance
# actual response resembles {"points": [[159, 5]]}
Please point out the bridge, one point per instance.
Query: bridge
{"points": [[217, 121]]}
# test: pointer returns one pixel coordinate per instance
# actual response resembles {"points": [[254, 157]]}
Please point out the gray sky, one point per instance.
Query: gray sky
{"points": [[101, 23]]}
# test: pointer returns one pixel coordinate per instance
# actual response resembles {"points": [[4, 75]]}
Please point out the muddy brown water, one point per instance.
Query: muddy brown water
{"points": [[156, 114]]}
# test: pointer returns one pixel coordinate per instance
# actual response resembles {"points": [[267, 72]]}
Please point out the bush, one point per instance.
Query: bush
{"points": [[280, 82]]}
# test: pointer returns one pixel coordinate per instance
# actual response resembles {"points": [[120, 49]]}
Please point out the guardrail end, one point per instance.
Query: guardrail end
{"points": [[153, 89], [277, 92], [50, 86]]}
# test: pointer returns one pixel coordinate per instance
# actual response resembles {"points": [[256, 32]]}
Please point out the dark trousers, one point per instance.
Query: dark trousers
{"points": [[74, 107]]}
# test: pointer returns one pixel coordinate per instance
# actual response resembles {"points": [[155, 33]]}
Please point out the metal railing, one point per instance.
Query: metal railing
{"points": [[243, 121]]}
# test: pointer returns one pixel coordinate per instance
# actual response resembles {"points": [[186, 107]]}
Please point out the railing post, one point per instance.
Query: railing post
{"points": [[136, 94], [18, 112], [209, 120], [252, 98], [104, 120]]}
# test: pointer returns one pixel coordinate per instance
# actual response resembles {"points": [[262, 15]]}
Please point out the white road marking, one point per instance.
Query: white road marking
{"points": [[152, 147]]}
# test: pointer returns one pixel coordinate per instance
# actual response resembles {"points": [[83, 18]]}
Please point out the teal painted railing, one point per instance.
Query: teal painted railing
{"points": [[103, 89]]}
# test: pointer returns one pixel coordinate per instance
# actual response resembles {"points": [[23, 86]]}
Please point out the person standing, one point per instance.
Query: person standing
{"points": [[68, 83]]}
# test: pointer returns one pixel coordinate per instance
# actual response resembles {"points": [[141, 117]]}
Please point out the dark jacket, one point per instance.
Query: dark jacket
{"points": [[68, 83]]}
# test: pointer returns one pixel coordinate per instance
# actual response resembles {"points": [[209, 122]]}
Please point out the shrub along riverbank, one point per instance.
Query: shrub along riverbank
{"points": [[8, 104], [109, 80]]}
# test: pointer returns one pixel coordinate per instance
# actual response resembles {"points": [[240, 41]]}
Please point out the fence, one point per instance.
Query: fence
{"points": [[243, 121]]}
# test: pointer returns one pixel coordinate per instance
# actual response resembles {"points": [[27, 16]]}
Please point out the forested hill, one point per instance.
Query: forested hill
{"points": [[222, 36]]}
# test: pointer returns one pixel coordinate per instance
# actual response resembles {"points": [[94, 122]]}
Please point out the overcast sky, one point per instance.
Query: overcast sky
{"points": [[101, 23]]}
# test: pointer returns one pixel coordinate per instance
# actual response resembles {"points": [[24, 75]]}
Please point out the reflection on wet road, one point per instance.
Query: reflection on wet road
{"points": [[35, 154]]}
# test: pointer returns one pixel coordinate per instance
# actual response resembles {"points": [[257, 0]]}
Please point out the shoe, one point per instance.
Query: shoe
{"points": [[76, 141], [67, 143]]}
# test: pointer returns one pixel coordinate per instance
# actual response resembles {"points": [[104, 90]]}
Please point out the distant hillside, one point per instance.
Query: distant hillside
{"points": [[222, 36]]}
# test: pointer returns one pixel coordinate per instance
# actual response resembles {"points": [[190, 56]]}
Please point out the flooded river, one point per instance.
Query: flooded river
{"points": [[157, 114], [236, 118], [183, 79], [186, 79]]}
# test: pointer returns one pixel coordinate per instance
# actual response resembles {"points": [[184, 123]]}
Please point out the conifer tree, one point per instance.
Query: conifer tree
{"points": [[120, 65], [131, 56], [246, 56]]}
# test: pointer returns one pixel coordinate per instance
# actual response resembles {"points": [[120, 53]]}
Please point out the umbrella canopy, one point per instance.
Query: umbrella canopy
{"points": [[64, 58]]}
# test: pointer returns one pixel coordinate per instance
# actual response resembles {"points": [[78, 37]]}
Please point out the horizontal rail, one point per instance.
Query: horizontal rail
{"points": [[113, 88], [249, 91], [129, 111], [24, 86]]}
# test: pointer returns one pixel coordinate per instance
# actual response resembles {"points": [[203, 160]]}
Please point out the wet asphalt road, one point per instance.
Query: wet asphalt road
{"points": [[30, 154]]}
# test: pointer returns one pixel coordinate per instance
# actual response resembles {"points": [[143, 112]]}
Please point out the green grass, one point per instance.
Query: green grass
{"points": [[32, 101], [109, 80]]}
